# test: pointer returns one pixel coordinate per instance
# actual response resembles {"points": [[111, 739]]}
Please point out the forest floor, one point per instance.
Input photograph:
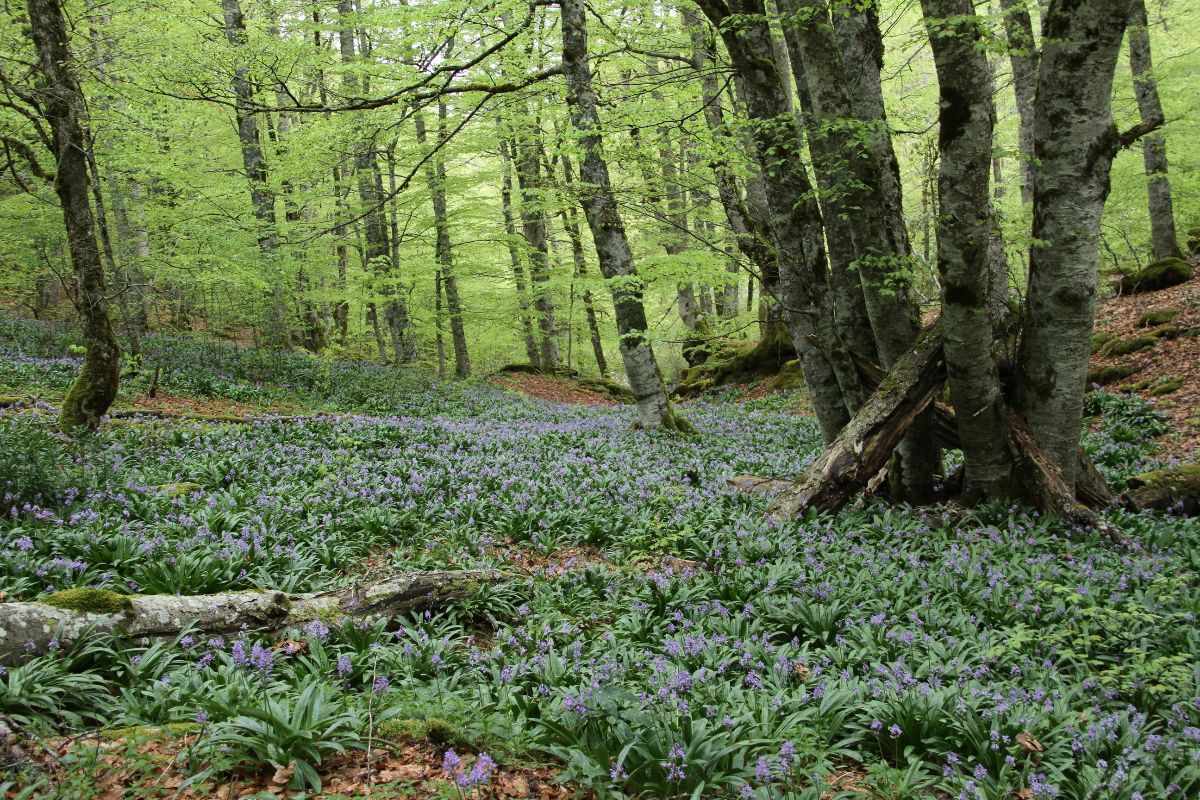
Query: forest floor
{"points": [[553, 389], [1169, 359], [660, 636]]}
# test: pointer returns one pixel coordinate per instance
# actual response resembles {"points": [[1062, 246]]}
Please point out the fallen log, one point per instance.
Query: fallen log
{"points": [[866, 443], [1169, 489], [29, 629]]}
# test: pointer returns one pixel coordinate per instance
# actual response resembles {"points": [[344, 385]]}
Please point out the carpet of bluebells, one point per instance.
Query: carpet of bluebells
{"points": [[659, 638]]}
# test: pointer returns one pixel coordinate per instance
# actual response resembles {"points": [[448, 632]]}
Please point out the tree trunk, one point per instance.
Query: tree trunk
{"points": [[514, 253], [847, 139], [795, 221], [1164, 242], [964, 237], [1075, 144], [377, 251], [442, 249], [864, 445], [533, 225], [571, 224], [1023, 53], [262, 198], [147, 618], [608, 230], [64, 107]]}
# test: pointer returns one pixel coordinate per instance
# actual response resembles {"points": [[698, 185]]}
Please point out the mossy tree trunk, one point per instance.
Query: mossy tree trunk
{"points": [[65, 108], [1075, 144], [608, 230], [963, 243], [801, 283], [845, 144]]}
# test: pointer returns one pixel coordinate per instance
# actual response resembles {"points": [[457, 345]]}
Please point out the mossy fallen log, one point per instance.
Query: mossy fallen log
{"points": [[28, 629], [1169, 489]]}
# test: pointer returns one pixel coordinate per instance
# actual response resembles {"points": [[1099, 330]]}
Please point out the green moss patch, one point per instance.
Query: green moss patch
{"points": [[1167, 387], [733, 362], [436, 731], [1154, 318], [1123, 347], [1160, 274], [1101, 338], [181, 489], [1167, 332], [1193, 241], [89, 600], [1106, 375]]}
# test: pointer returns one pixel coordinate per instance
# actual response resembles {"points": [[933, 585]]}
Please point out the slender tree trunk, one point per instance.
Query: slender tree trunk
{"points": [[262, 198], [1023, 53], [965, 231], [1074, 145], [64, 107], [514, 253], [378, 251], [341, 307], [1164, 243], [533, 225], [439, 339], [571, 224], [608, 230], [443, 252]]}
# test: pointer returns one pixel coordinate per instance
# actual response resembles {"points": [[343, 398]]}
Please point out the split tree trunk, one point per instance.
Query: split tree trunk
{"points": [[864, 445], [64, 107], [965, 230], [27, 629], [1075, 144], [608, 230], [1164, 243]]}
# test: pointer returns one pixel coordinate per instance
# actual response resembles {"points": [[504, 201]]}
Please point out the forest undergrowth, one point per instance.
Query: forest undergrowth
{"points": [[658, 637]]}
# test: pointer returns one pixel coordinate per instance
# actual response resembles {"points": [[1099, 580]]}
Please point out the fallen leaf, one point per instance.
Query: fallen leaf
{"points": [[283, 775], [1028, 743]]}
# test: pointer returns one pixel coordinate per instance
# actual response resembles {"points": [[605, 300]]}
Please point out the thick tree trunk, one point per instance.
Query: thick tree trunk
{"points": [[147, 618], [964, 237], [514, 254], [64, 107], [1024, 56], [443, 252], [1164, 242], [795, 220], [608, 230], [846, 135], [1075, 144], [533, 225]]}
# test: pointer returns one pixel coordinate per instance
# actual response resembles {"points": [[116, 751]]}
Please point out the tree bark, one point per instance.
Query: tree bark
{"points": [[262, 198], [443, 252], [533, 225], [795, 220], [965, 231], [1164, 243], [608, 230], [1075, 144], [64, 107], [864, 445], [1024, 57], [27, 629], [514, 254]]}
